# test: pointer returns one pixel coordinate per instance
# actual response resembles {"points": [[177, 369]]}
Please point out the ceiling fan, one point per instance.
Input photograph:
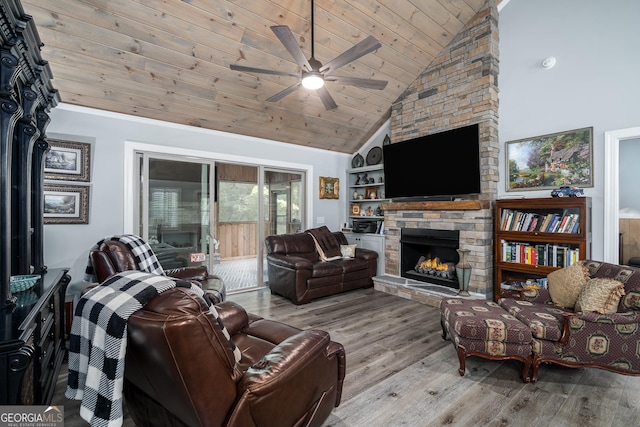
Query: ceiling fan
{"points": [[314, 74]]}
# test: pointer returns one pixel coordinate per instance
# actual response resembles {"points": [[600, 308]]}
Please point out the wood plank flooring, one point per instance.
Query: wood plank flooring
{"points": [[401, 373]]}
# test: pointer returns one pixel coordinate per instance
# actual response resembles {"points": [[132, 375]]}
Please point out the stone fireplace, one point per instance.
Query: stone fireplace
{"points": [[472, 220], [458, 88]]}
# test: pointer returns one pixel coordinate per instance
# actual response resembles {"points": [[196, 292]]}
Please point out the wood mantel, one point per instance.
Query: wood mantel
{"points": [[457, 205]]}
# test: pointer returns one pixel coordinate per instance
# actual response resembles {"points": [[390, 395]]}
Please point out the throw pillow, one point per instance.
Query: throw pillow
{"points": [[566, 284], [348, 251], [600, 295]]}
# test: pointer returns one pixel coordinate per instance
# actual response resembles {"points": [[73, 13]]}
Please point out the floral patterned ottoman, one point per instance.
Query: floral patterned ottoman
{"points": [[483, 328]]}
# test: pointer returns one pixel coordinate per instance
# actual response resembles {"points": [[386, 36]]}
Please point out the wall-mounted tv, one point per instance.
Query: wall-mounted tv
{"points": [[440, 166]]}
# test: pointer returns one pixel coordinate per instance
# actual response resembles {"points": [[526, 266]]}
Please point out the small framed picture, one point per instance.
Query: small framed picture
{"points": [[67, 161], [66, 204], [371, 193], [355, 209], [329, 188]]}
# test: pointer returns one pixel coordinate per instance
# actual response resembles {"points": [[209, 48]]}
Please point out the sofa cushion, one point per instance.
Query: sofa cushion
{"points": [[544, 320], [630, 276], [600, 295], [566, 283], [327, 245]]}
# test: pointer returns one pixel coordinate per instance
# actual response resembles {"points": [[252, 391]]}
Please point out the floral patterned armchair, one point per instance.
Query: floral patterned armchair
{"points": [[608, 340]]}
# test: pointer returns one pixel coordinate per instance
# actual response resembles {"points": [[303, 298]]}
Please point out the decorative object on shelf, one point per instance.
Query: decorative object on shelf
{"points": [[23, 282], [357, 161], [66, 204], [463, 271], [329, 188], [374, 156], [355, 209], [548, 161], [67, 161], [358, 178], [379, 211], [369, 211], [386, 140], [371, 193], [567, 190], [356, 195]]}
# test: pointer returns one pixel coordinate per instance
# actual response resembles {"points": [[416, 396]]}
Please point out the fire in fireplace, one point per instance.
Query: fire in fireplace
{"points": [[429, 255]]}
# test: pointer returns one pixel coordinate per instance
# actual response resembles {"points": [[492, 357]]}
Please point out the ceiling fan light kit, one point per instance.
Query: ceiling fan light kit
{"points": [[314, 75], [312, 80]]}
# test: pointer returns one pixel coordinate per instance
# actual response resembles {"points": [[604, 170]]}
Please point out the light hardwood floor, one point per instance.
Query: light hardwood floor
{"points": [[401, 373]]}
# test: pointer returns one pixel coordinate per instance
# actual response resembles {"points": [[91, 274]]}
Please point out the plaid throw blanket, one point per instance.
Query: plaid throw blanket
{"points": [[146, 260], [98, 341]]}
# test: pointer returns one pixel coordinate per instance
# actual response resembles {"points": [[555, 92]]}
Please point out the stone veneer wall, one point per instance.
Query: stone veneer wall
{"points": [[459, 88]]}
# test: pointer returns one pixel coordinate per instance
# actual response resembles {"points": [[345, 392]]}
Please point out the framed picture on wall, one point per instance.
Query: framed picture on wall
{"points": [[66, 204], [67, 161], [329, 188], [550, 161]]}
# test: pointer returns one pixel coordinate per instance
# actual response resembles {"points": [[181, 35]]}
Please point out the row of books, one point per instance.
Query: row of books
{"points": [[546, 254], [534, 222]]}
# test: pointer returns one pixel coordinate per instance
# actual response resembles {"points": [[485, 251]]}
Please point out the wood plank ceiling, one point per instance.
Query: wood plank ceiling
{"points": [[169, 60]]}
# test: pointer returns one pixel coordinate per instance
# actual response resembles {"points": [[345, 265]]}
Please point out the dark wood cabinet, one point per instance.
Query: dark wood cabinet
{"points": [[33, 344], [534, 237], [32, 341]]}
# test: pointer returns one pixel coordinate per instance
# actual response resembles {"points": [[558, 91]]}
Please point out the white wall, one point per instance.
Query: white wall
{"points": [[594, 83], [68, 245]]}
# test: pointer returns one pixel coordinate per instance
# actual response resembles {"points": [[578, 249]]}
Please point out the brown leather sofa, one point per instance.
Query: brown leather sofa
{"points": [[296, 271], [180, 369], [114, 257]]}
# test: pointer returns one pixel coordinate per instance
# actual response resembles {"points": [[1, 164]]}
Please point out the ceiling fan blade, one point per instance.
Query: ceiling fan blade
{"points": [[326, 98], [278, 96], [355, 81], [365, 46], [261, 70], [289, 41]]}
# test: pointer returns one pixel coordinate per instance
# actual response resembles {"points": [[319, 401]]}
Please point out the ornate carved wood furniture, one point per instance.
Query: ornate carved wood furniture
{"points": [[32, 342]]}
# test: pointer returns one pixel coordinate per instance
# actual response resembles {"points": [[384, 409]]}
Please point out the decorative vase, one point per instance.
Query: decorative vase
{"points": [[463, 271]]}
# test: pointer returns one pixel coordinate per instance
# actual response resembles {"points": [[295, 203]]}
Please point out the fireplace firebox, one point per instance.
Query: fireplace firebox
{"points": [[429, 255]]}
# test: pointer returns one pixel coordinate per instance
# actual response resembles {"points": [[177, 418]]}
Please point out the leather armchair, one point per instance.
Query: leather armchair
{"points": [[180, 369], [115, 257]]}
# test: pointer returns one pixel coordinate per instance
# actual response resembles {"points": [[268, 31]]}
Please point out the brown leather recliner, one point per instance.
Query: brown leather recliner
{"points": [[114, 257], [180, 368]]}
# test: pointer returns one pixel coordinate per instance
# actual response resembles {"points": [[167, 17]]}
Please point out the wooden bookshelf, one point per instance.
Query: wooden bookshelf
{"points": [[534, 237]]}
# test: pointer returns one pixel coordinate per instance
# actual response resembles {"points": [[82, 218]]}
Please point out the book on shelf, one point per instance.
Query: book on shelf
{"points": [[514, 220], [544, 254]]}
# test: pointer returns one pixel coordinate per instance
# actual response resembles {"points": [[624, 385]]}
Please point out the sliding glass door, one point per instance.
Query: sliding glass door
{"points": [[175, 209], [205, 212]]}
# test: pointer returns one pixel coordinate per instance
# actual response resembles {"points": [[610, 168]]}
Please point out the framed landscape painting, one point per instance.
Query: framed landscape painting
{"points": [[67, 161], [550, 161], [66, 204]]}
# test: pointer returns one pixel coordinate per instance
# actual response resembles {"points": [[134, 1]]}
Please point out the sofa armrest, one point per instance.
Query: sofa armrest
{"points": [[188, 273], [366, 254], [294, 356], [289, 261], [603, 322]]}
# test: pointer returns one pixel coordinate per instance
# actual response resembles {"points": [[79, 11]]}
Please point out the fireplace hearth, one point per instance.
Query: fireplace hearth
{"points": [[429, 255]]}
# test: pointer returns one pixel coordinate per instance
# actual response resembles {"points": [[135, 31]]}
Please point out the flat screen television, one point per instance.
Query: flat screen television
{"points": [[439, 166]]}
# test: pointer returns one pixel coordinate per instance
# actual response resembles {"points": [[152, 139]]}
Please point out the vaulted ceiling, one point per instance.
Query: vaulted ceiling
{"points": [[169, 60]]}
